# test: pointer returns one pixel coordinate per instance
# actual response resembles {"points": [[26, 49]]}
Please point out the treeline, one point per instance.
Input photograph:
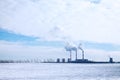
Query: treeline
{"points": [[20, 61], [28, 61]]}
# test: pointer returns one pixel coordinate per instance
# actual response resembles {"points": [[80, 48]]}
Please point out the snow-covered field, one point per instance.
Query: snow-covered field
{"points": [[56, 71]]}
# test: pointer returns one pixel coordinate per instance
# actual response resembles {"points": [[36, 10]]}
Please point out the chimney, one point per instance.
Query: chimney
{"points": [[82, 54], [70, 55], [82, 51], [76, 54]]}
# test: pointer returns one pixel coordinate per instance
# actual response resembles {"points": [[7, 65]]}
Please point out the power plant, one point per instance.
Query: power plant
{"points": [[69, 48], [72, 48]]}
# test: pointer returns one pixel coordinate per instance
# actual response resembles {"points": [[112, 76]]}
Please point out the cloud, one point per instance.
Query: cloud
{"points": [[16, 50], [34, 41], [90, 20]]}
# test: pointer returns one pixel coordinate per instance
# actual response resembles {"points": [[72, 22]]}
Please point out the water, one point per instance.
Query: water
{"points": [[54, 71]]}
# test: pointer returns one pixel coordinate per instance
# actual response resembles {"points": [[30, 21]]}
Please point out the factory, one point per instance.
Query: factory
{"points": [[70, 49]]}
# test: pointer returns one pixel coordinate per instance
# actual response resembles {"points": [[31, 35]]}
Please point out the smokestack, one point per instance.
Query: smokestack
{"points": [[82, 54], [81, 50], [76, 54], [75, 49], [70, 55], [69, 48]]}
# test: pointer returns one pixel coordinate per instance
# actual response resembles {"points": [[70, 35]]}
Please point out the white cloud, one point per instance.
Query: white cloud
{"points": [[79, 19], [12, 50]]}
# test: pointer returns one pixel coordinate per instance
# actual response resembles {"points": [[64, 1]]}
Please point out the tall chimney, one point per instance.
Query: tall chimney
{"points": [[81, 50], [76, 53], [70, 55], [82, 54]]}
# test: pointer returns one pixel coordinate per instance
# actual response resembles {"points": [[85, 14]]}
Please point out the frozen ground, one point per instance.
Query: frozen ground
{"points": [[56, 71]]}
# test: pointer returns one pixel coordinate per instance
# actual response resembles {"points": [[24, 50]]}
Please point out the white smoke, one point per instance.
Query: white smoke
{"points": [[70, 47], [79, 47]]}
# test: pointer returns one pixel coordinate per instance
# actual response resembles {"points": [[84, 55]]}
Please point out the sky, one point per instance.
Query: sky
{"points": [[40, 29]]}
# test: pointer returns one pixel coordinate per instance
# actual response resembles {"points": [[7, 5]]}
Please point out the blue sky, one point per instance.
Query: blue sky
{"points": [[41, 28], [27, 40], [11, 36], [33, 41]]}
